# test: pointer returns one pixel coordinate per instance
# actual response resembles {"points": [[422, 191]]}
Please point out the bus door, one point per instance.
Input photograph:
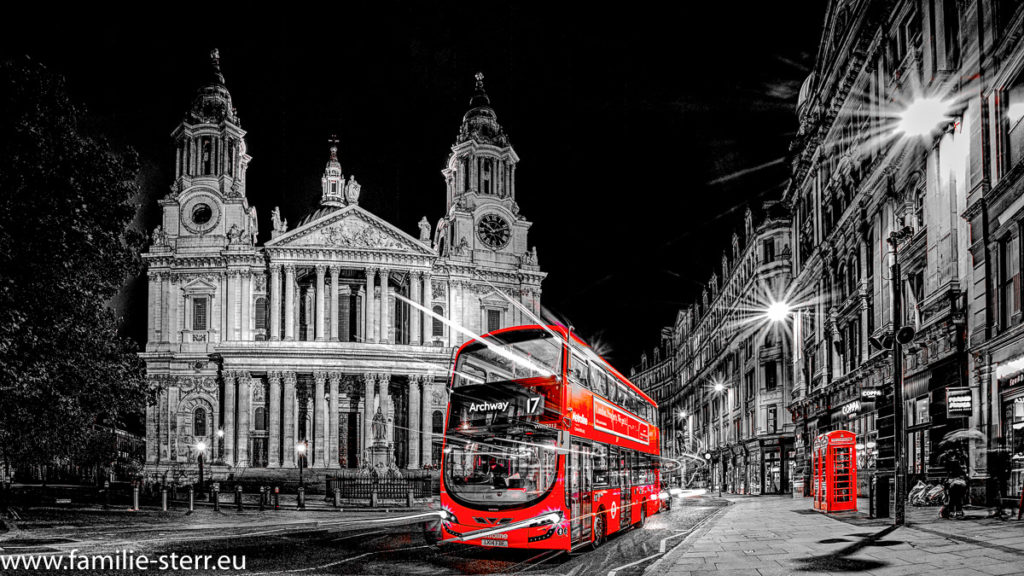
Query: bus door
{"points": [[582, 491], [626, 495]]}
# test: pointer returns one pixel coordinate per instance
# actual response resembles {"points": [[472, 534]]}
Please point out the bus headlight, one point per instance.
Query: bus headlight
{"points": [[447, 516], [547, 519]]}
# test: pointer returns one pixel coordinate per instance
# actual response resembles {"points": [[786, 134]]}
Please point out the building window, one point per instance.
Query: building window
{"points": [[200, 308], [261, 318], [438, 326], [437, 425], [773, 419], [207, 157], [199, 422], [768, 251], [770, 376], [1009, 266], [260, 418], [493, 320]]}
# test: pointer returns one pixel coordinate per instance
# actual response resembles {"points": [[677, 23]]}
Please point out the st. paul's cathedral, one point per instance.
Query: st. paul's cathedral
{"points": [[333, 323]]}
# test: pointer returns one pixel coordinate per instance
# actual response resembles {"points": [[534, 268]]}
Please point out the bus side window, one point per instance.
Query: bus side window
{"points": [[601, 465], [580, 369], [597, 379]]}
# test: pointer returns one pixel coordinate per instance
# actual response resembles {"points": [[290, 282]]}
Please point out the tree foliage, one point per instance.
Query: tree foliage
{"points": [[65, 250]]}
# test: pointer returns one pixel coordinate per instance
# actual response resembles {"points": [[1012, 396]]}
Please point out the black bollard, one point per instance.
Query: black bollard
{"points": [[135, 497], [215, 494], [191, 500], [337, 497], [302, 498], [263, 495], [163, 498], [106, 494], [277, 498], [238, 498]]}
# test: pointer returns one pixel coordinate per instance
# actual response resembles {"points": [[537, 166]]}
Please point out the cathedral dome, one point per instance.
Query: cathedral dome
{"points": [[318, 214], [480, 123], [212, 103]]}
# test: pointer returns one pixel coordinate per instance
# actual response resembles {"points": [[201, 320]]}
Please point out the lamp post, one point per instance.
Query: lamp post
{"points": [[200, 450], [300, 449], [220, 444], [901, 336]]}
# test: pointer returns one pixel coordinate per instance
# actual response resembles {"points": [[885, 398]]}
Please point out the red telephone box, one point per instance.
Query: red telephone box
{"points": [[835, 471]]}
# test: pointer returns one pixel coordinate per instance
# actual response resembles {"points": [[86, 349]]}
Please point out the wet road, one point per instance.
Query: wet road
{"points": [[375, 546]]}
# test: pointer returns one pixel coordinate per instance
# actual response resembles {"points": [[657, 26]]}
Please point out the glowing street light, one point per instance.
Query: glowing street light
{"points": [[719, 386], [778, 311], [300, 450], [200, 450], [923, 115]]}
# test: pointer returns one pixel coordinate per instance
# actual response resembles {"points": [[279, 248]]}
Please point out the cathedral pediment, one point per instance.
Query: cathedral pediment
{"points": [[350, 228]]}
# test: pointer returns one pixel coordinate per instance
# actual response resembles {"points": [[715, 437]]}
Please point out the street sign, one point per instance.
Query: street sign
{"points": [[959, 402]]}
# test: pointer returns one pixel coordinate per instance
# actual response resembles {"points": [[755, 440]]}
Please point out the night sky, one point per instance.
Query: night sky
{"points": [[637, 128]]}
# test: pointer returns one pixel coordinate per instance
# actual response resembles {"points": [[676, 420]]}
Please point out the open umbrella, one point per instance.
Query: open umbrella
{"points": [[962, 435]]}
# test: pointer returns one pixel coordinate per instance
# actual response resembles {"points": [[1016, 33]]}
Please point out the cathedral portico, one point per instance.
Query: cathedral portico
{"points": [[312, 337]]}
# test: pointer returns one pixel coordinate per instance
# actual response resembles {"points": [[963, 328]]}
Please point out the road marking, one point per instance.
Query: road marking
{"points": [[612, 573], [343, 561], [662, 546]]}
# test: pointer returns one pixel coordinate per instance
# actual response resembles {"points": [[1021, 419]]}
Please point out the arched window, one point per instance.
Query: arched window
{"points": [[438, 326], [207, 156], [261, 418], [199, 422], [437, 422]]}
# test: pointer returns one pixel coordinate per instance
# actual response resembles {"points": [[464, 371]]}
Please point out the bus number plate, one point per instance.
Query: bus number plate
{"points": [[492, 542]]}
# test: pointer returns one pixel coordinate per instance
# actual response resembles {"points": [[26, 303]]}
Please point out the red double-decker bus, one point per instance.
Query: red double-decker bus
{"points": [[546, 445]]}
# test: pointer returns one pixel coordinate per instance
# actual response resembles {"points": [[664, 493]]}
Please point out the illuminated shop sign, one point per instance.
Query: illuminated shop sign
{"points": [[852, 408], [959, 402], [870, 394]]}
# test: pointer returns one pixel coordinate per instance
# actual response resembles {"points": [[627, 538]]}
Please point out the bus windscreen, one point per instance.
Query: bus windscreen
{"points": [[517, 355]]}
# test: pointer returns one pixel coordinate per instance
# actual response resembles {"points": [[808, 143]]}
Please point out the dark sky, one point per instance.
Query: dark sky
{"points": [[631, 124]]}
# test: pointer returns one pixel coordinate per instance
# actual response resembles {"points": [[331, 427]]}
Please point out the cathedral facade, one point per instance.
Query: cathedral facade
{"points": [[267, 354]]}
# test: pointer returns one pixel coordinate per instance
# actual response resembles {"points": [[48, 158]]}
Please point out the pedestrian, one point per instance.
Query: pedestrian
{"points": [[999, 472], [955, 461]]}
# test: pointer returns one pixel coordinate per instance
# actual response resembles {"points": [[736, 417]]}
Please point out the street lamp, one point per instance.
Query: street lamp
{"points": [[220, 444], [900, 336], [200, 450], [719, 387], [300, 449], [923, 115], [778, 311]]}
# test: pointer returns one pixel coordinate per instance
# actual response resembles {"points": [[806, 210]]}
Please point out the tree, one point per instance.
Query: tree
{"points": [[65, 249]]}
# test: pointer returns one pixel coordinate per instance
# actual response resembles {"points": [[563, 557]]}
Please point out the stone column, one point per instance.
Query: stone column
{"points": [[288, 447], [414, 317], [320, 301], [244, 402], [426, 295], [368, 380], [384, 300], [368, 313], [225, 308], [334, 382], [152, 431], [414, 422], [426, 421], [230, 383], [246, 306], [289, 302], [335, 319], [344, 318], [319, 450], [155, 297], [383, 380], [274, 434], [360, 312], [275, 302]]}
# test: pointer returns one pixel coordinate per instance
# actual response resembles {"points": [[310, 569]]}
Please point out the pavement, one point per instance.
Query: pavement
{"points": [[775, 535]]}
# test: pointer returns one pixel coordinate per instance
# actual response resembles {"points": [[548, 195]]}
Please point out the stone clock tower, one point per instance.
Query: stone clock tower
{"points": [[482, 239]]}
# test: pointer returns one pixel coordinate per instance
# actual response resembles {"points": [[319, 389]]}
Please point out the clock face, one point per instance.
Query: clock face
{"points": [[200, 214], [493, 231]]}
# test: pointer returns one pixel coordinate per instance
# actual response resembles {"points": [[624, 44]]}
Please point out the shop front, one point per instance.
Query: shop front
{"points": [[1012, 416]]}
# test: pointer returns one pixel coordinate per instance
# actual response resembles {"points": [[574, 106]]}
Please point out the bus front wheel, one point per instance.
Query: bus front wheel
{"points": [[599, 530], [643, 515]]}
